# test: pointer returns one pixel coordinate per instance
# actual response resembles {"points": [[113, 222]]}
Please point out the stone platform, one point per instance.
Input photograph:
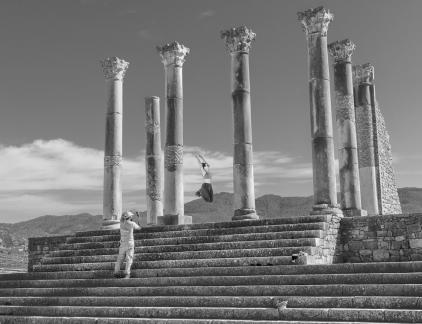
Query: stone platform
{"points": [[232, 272]]}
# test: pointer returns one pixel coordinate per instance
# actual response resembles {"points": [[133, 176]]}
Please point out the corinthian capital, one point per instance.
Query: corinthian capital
{"points": [[114, 68], [363, 73], [173, 53], [238, 39], [342, 50], [315, 21]]}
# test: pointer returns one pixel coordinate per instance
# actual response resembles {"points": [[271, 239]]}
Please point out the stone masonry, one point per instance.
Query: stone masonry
{"points": [[388, 198]]}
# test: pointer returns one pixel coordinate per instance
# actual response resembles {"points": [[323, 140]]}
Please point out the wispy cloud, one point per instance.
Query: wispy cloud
{"points": [[206, 14], [60, 177]]}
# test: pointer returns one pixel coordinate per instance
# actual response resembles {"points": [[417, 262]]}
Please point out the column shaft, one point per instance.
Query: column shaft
{"points": [[153, 160], [243, 178], [315, 24], [114, 70], [365, 142], [173, 56], [346, 126]]}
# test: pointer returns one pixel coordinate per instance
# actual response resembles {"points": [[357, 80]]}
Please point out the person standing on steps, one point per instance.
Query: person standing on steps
{"points": [[127, 244], [206, 189]]}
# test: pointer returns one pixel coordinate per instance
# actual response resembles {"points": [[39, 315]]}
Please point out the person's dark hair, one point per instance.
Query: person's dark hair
{"points": [[204, 164]]}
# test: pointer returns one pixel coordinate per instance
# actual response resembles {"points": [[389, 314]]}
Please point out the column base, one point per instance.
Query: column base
{"points": [[110, 224], [174, 219], [354, 212], [326, 209], [243, 214]]}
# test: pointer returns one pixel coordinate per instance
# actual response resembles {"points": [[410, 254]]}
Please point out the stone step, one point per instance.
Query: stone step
{"points": [[189, 263], [341, 268], [113, 247], [125, 320], [410, 290], [140, 234], [301, 314], [371, 302], [306, 279], [209, 254], [220, 225]]}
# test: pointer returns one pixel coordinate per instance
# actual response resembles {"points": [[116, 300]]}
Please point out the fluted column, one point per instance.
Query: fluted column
{"points": [[173, 56], [346, 126], [153, 161], [315, 24], [114, 71], [363, 78], [238, 42]]}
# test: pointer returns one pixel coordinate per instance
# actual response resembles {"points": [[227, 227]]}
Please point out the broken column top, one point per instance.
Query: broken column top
{"points": [[173, 53], [238, 39], [363, 73], [114, 68], [342, 50], [315, 20]]}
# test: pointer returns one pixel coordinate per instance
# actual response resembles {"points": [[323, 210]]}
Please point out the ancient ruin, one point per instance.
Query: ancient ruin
{"points": [[114, 71], [332, 266], [238, 42], [173, 56], [346, 125], [315, 25], [379, 190]]}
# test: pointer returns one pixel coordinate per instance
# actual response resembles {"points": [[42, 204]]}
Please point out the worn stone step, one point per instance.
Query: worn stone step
{"points": [[372, 302], [114, 248], [125, 320], [356, 315], [239, 290], [336, 314], [307, 279], [209, 254], [139, 234], [188, 263], [219, 225], [341, 268], [166, 312]]}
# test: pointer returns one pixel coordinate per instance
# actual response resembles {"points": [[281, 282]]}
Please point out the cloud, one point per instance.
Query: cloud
{"points": [[144, 34], [206, 14], [60, 177]]}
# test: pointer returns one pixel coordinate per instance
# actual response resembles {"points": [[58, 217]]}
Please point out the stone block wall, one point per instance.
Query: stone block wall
{"points": [[388, 198], [380, 238], [40, 246]]}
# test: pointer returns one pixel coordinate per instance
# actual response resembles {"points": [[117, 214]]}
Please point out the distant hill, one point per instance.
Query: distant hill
{"points": [[411, 200]]}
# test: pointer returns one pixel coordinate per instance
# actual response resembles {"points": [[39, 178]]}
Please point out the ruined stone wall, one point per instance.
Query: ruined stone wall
{"points": [[380, 238], [388, 198], [38, 247]]}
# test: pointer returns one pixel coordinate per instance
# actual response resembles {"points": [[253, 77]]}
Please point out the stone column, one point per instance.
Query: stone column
{"points": [[114, 72], [173, 56], [315, 24], [363, 77], [346, 125], [153, 161], [238, 42]]}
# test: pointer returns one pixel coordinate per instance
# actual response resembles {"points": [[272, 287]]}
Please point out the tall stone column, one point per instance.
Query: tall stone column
{"points": [[114, 72], [363, 78], [173, 56], [238, 42], [346, 125], [153, 161], [315, 24]]}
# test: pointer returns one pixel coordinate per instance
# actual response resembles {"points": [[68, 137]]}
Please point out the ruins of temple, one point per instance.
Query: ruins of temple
{"points": [[353, 262]]}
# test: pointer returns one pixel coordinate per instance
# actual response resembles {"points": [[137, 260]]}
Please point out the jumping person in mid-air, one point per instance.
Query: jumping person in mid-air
{"points": [[206, 189], [127, 244]]}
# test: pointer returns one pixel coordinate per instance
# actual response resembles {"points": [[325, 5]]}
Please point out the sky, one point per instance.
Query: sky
{"points": [[52, 93]]}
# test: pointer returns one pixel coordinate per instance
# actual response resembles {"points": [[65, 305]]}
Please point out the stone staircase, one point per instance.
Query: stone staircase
{"points": [[232, 272]]}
